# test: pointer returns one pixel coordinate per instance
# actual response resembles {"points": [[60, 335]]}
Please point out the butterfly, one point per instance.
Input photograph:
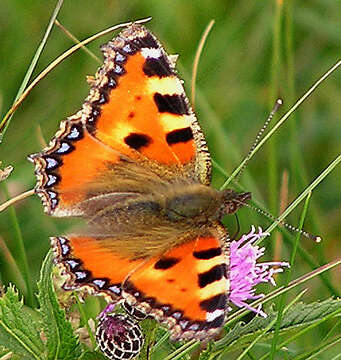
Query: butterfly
{"points": [[134, 164]]}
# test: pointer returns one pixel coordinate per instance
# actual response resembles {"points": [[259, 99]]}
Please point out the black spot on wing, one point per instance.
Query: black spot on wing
{"points": [[215, 302], [173, 104], [166, 263], [217, 322], [158, 67], [212, 275], [207, 254], [136, 141], [147, 41], [179, 135]]}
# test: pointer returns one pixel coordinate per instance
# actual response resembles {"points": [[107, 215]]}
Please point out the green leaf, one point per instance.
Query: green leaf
{"points": [[5, 354], [92, 355], [149, 328], [296, 317], [19, 331], [206, 353], [62, 343]]}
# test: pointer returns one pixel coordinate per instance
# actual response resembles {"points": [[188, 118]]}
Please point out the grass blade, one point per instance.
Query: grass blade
{"points": [[306, 191], [6, 121], [282, 120]]}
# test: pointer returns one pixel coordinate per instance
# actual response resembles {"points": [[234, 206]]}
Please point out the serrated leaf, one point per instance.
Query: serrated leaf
{"points": [[62, 343], [19, 331], [297, 316]]}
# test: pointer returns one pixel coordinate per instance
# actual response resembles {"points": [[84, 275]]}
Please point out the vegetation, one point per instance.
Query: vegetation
{"points": [[256, 52]]}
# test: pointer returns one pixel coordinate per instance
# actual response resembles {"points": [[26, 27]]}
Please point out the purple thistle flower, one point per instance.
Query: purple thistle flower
{"points": [[119, 336], [246, 273]]}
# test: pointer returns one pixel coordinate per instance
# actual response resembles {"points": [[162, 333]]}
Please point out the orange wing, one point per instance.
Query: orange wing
{"points": [[136, 112], [186, 288], [88, 264]]}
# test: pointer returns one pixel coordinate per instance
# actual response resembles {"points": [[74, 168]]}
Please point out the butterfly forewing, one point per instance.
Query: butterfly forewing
{"points": [[136, 112]]}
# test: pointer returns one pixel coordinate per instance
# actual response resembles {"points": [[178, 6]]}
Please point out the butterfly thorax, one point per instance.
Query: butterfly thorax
{"points": [[201, 204], [183, 204]]}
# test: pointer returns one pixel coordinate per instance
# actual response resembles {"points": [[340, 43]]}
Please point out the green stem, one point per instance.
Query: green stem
{"points": [[274, 91], [287, 280], [5, 123], [280, 122], [85, 320], [20, 252]]}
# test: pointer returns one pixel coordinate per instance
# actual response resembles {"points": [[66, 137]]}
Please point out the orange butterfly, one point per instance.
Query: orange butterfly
{"points": [[134, 163]]}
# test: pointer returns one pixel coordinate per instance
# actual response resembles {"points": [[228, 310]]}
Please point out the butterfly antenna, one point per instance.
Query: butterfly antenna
{"points": [[278, 104], [288, 226]]}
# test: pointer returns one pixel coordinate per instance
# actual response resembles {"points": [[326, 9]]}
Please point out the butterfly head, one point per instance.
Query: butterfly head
{"points": [[233, 200]]}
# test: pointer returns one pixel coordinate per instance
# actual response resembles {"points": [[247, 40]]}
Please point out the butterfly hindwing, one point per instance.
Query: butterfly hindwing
{"points": [[185, 288], [90, 265]]}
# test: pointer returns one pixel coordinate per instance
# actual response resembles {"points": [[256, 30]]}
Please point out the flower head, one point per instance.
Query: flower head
{"points": [[246, 273], [119, 336]]}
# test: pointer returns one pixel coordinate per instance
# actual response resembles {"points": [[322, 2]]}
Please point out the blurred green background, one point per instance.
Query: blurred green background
{"points": [[237, 81]]}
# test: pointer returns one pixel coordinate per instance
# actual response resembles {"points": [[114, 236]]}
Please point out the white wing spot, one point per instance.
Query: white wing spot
{"points": [[211, 316], [151, 53]]}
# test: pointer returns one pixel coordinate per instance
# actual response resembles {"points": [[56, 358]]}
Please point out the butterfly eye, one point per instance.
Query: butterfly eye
{"points": [[119, 337]]}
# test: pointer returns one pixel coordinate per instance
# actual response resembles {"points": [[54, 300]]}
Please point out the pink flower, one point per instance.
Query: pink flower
{"points": [[246, 273], [119, 336]]}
